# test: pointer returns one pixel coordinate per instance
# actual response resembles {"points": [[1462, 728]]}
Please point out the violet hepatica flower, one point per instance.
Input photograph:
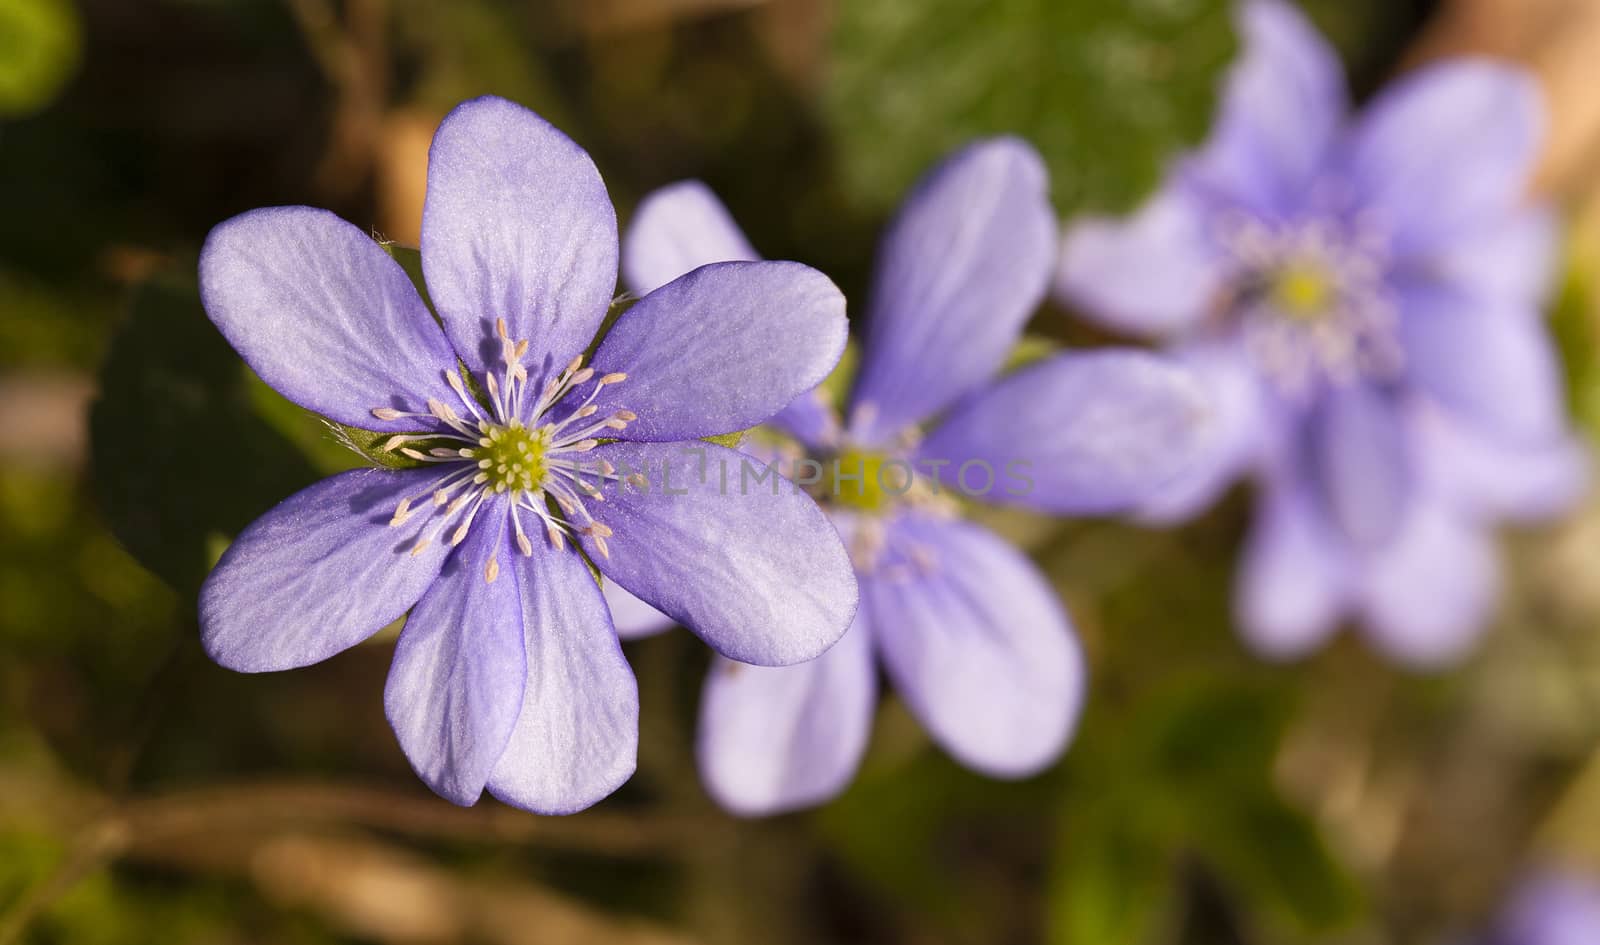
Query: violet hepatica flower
{"points": [[1551, 908], [1363, 296], [969, 631], [508, 672]]}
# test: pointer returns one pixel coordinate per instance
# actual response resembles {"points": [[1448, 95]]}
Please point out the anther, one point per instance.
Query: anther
{"points": [[524, 545], [387, 413], [401, 513], [615, 377], [491, 570], [421, 546]]}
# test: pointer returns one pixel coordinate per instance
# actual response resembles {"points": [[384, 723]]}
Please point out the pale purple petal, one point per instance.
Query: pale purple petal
{"points": [[577, 737], [811, 419], [1494, 481], [1362, 462], [676, 230], [319, 573], [1293, 579], [456, 682], [1552, 908], [1085, 432], [1428, 593], [779, 738], [1155, 273], [321, 312], [516, 225], [975, 641], [721, 349], [751, 566], [1282, 109], [1446, 152], [633, 618], [960, 271], [1238, 427], [1508, 262], [1493, 365]]}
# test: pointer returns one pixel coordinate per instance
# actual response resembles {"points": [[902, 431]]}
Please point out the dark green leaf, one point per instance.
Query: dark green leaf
{"points": [[1108, 90], [181, 461]]}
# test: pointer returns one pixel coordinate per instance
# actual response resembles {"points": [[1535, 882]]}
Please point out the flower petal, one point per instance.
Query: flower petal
{"points": [[319, 573], [1362, 462], [1427, 595], [1293, 580], [1496, 482], [676, 230], [721, 349], [455, 686], [779, 738], [1079, 433], [633, 618], [517, 225], [1513, 262], [753, 567], [1281, 112], [960, 271], [321, 312], [1238, 422], [1492, 365], [1155, 273], [977, 644], [1447, 151], [577, 738]]}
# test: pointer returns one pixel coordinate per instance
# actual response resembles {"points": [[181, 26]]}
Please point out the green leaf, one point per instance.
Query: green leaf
{"points": [[1108, 90], [40, 44], [180, 457]]}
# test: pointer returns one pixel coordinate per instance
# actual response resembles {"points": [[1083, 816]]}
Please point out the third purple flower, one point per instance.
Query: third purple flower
{"points": [[1364, 297]]}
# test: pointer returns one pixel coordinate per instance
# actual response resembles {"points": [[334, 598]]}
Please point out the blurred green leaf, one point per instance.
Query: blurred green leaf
{"points": [[39, 49], [1573, 322], [1107, 90], [180, 457], [1112, 880]]}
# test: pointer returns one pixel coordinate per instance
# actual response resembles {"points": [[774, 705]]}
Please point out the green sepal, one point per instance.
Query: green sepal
{"points": [[1030, 350]]}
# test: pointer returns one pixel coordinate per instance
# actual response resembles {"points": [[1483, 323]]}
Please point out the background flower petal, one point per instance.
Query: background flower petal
{"points": [[633, 618], [779, 738], [1237, 430], [517, 225], [1293, 580], [977, 645], [457, 678], [1494, 481], [1083, 432], [1361, 461], [1152, 274], [675, 230], [1441, 154], [721, 349], [754, 568], [1428, 594], [319, 310], [960, 270], [1493, 365], [317, 574], [1282, 109], [1511, 262], [577, 737]]}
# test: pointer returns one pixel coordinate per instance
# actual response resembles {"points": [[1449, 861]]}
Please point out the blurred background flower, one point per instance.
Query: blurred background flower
{"points": [[149, 796]]}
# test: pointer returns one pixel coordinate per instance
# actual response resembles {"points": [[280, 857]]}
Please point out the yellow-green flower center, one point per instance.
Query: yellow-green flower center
{"points": [[513, 457], [1302, 291], [866, 481]]}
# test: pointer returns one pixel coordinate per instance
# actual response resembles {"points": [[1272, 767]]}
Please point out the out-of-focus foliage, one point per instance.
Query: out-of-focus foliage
{"points": [[39, 48], [181, 461], [1108, 89]]}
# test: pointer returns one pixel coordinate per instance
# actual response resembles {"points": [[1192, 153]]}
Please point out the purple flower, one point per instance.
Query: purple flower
{"points": [[1364, 299], [1552, 908], [508, 674], [970, 632]]}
